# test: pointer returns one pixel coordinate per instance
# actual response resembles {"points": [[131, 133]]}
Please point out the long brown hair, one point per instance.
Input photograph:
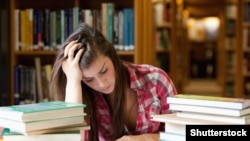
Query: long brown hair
{"points": [[95, 44]]}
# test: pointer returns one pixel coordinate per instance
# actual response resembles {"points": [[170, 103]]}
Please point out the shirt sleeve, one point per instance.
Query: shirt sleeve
{"points": [[165, 88]]}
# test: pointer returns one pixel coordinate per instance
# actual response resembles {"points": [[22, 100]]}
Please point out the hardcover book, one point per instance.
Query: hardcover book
{"points": [[57, 134], [177, 125], [44, 137], [211, 101], [71, 128], [173, 118], [25, 127], [229, 119], [172, 136], [41, 111], [209, 110]]}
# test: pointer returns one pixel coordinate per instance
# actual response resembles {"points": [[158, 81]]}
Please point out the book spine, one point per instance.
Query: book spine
{"points": [[58, 28], [35, 29], [39, 79], [23, 30], [121, 30], [63, 26], [31, 27], [126, 30], [17, 29], [110, 14], [76, 19], [17, 85], [104, 20], [40, 27], [116, 30], [53, 30], [131, 29], [46, 30]]}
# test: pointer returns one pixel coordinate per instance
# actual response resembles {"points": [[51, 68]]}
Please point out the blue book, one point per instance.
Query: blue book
{"points": [[131, 28], [110, 13], [17, 84], [126, 29]]}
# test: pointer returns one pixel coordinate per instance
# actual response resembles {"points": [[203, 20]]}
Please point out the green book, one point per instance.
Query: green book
{"points": [[41, 111], [211, 101]]}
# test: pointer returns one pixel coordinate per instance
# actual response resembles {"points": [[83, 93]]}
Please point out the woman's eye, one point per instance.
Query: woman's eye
{"points": [[105, 70], [88, 80]]}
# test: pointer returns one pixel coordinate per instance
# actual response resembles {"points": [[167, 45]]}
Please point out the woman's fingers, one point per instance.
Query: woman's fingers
{"points": [[66, 50], [70, 49], [79, 53]]}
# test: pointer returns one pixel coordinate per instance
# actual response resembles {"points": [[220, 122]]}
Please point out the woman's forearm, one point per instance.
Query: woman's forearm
{"points": [[73, 92], [151, 137], [141, 137]]}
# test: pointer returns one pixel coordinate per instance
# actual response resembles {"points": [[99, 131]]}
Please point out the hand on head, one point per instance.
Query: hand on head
{"points": [[70, 65]]}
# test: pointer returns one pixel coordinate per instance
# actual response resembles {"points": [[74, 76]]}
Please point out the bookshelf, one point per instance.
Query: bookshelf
{"points": [[196, 57], [164, 12], [143, 40], [231, 49], [244, 55]]}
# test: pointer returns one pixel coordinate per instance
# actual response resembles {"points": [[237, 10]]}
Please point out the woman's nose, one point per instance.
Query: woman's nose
{"points": [[101, 82]]}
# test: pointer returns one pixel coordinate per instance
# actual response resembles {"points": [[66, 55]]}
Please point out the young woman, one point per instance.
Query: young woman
{"points": [[120, 96]]}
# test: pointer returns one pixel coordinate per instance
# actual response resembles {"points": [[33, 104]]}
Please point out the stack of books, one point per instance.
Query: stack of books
{"points": [[44, 119], [201, 110]]}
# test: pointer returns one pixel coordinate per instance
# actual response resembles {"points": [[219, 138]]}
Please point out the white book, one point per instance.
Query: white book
{"points": [[75, 133], [173, 118], [175, 124], [25, 127], [210, 101], [44, 137], [229, 119], [66, 134], [209, 110], [64, 129], [172, 136]]}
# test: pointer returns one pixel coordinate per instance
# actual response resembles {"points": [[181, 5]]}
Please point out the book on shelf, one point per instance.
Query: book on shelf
{"points": [[38, 68], [229, 119], [68, 134], [41, 111], [212, 101], [25, 127], [45, 77], [209, 110], [104, 9]]}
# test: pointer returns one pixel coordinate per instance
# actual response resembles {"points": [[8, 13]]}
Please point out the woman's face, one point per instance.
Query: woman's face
{"points": [[100, 75]]}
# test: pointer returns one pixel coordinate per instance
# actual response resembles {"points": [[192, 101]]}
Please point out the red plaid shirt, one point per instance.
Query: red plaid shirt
{"points": [[152, 86]]}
